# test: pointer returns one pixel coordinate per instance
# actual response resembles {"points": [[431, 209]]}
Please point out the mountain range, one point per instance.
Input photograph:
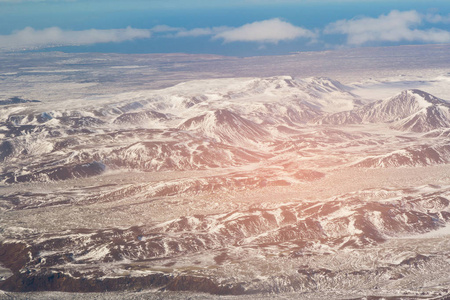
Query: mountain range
{"points": [[191, 187]]}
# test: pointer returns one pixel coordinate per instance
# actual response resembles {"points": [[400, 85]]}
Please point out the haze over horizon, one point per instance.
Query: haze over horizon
{"points": [[233, 28]]}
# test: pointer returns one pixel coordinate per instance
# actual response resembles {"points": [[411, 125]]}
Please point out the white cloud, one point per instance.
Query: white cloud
{"points": [[165, 28], [196, 32], [435, 18], [268, 31], [30, 38], [394, 27]]}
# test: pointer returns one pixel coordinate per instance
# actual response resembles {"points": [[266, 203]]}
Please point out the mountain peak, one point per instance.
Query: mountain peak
{"points": [[400, 106], [426, 96], [225, 126], [416, 97]]}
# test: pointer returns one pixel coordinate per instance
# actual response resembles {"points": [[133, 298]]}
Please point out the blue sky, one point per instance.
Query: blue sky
{"points": [[228, 27]]}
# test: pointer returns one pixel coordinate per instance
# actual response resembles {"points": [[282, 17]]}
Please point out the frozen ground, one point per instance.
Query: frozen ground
{"points": [[255, 177]]}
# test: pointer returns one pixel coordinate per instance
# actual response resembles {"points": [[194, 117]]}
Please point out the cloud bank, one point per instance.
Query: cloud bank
{"points": [[268, 31], [30, 38], [394, 27]]}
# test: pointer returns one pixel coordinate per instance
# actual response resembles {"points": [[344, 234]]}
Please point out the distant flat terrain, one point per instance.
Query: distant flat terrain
{"points": [[88, 74]]}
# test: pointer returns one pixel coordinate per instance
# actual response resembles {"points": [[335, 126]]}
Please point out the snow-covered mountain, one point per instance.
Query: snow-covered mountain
{"points": [[411, 110], [225, 126], [349, 222], [198, 125], [193, 186], [244, 121]]}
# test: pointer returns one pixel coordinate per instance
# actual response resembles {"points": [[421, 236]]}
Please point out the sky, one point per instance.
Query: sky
{"points": [[225, 27]]}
